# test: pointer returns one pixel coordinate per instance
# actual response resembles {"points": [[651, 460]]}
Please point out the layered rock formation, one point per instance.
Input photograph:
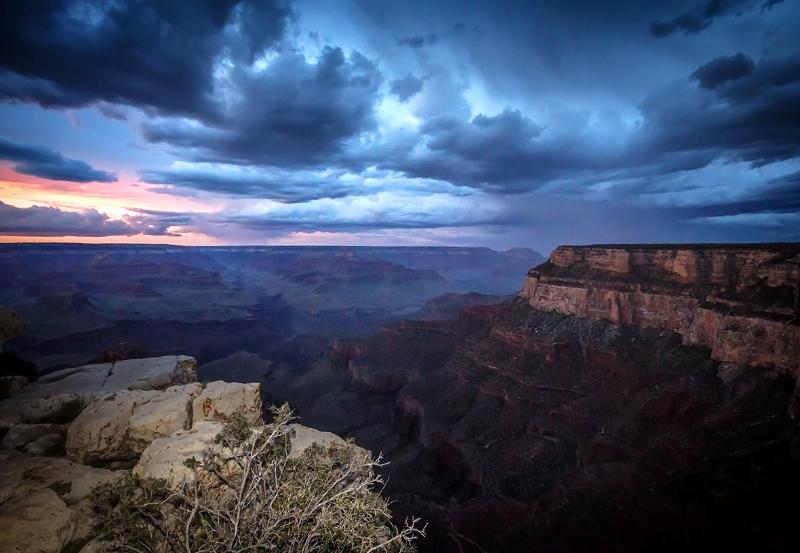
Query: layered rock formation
{"points": [[634, 398], [77, 428], [742, 302]]}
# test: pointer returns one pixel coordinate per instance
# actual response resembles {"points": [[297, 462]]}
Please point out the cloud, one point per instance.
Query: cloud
{"points": [[288, 186], [292, 112], [703, 16], [256, 182], [721, 70], [776, 195], [42, 162], [752, 118], [51, 221], [385, 209], [682, 128], [418, 41], [406, 87], [147, 53]]}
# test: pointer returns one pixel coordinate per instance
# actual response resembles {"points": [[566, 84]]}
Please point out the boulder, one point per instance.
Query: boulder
{"points": [[302, 437], [106, 378], [162, 415], [77, 380], [59, 396], [120, 426], [101, 433], [153, 373], [165, 457], [220, 400], [38, 523]]}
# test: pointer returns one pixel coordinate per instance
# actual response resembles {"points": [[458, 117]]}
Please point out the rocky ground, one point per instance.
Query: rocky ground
{"points": [[78, 428]]}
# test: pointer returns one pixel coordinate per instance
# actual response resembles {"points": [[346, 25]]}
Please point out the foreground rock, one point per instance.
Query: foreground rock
{"points": [[133, 374], [120, 426], [60, 396], [164, 457], [220, 400], [145, 412]]}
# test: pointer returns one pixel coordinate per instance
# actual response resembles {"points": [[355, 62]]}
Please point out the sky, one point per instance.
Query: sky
{"points": [[467, 123]]}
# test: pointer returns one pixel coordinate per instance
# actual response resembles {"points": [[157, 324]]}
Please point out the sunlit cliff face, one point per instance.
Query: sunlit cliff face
{"points": [[432, 123]]}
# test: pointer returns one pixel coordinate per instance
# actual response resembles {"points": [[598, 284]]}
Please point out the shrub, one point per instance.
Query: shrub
{"points": [[250, 495]]}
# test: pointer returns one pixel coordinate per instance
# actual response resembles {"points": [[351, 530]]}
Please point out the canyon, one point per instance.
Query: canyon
{"points": [[631, 397], [626, 398], [79, 300]]}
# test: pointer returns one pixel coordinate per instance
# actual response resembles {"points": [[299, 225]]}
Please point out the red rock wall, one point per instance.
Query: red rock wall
{"points": [[739, 301]]}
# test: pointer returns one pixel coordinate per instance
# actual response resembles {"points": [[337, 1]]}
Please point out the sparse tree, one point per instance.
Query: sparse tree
{"points": [[249, 494]]}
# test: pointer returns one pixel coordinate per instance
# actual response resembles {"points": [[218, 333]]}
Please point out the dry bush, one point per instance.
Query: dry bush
{"points": [[250, 495]]}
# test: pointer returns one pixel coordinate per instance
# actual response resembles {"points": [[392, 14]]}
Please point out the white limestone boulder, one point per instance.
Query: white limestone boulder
{"points": [[165, 458], [220, 400], [162, 415], [302, 437], [59, 396], [120, 426], [152, 373], [101, 433]]}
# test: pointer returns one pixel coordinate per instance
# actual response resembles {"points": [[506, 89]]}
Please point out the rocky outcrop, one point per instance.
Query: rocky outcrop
{"points": [[120, 426], [164, 457], [740, 301], [143, 412], [219, 400], [623, 386], [105, 378]]}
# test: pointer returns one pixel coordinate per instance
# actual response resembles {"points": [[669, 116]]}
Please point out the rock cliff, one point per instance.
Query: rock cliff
{"points": [[740, 301], [78, 428], [630, 391]]}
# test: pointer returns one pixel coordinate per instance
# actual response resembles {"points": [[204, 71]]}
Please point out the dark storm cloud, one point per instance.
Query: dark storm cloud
{"points": [[491, 152], [51, 221], [703, 16], [778, 195], [723, 69], [418, 41], [39, 161], [322, 222], [292, 113], [152, 53], [754, 118], [406, 87], [275, 184]]}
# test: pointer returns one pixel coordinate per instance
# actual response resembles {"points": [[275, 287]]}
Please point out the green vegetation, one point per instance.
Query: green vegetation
{"points": [[249, 494]]}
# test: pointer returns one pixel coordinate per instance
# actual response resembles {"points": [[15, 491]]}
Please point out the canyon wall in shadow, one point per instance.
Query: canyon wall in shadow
{"points": [[631, 398]]}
